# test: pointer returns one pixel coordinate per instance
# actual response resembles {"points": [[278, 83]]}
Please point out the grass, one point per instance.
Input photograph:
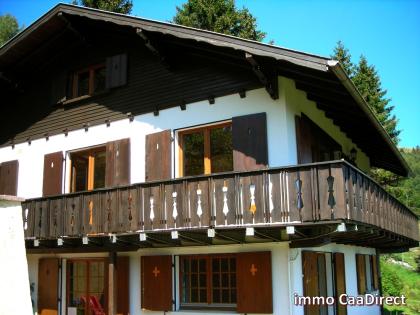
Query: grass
{"points": [[410, 280]]}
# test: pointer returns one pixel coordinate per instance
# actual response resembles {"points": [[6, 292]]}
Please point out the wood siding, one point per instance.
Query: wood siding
{"points": [[48, 286], [9, 172], [150, 86], [156, 283], [158, 156], [53, 174], [254, 287]]}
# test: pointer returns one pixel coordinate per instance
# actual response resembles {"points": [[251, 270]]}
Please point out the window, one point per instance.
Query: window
{"points": [[208, 280], [206, 150], [88, 169], [367, 273], [86, 286], [88, 81]]}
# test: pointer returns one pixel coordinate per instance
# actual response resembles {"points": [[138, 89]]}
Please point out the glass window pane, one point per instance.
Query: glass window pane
{"points": [[194, 265], [99, 170], [221, 149], [193, 151], [99, 83], [202, 265], [83, 83], [203, 295], [216, 296], [79, 174]]}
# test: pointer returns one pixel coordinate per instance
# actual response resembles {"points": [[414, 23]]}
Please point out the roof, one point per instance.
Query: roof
{"points": [[323, 79]]}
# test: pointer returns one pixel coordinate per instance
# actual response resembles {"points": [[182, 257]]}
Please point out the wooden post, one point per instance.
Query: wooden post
{"points": [[112, 283]]}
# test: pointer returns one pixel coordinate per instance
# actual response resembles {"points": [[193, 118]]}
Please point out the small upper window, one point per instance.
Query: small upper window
{"points": [[88, 81], [206, 150]]}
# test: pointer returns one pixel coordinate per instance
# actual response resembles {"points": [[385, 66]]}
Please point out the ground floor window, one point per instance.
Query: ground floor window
{"points": [[208, 280], [86, 289], [367, 273]]}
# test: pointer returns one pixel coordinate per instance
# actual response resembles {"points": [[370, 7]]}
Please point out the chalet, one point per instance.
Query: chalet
{"points": [[166, 169]]}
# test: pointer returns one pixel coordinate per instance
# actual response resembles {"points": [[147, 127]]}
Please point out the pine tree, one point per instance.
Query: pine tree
{"points": [[368, 82], [9, 27], [342, 54], [118, 6], [220, 16]]}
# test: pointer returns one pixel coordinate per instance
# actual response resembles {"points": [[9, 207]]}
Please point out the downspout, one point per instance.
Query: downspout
{"points": [[341, 74]]}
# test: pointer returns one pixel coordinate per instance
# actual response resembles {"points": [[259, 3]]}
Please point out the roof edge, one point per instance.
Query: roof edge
{"points": [[341, 74]]}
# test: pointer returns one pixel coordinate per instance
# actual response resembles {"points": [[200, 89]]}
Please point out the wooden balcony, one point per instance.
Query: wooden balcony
{"points": [[316, 199]]}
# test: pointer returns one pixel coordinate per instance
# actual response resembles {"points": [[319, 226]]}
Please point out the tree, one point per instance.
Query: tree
{"points": [[342, 54], [368, 82], [220, 16], [118, 6], [9, 27]]}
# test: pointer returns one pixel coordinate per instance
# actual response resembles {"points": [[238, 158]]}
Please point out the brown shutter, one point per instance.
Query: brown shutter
{"points": [[59, 86], [340, 281], [123, 290], [156, 283], [375, 280], [9, 178], [117, 171], [48, 286], [116, 71], [310, 280], [303, 140], [361, 273], [254, 288], [249, 137], [158, 156], [53, 174]]}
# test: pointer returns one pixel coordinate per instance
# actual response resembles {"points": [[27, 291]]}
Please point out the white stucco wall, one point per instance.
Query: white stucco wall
{"points": [[280, 133], [15, 295], [286, 267]]}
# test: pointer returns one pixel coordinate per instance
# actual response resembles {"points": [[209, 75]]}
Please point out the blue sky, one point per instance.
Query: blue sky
{"points": [[386, 32]]}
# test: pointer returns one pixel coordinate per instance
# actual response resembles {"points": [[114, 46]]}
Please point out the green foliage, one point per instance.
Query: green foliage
{"points": [[342, 54], [401, 280], [220, 16], [391, 283], [368, 82], [9, 27], [118, 6]]}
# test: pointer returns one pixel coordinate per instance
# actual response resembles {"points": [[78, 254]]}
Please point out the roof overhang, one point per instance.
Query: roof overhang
{"points": [[319, 76]]}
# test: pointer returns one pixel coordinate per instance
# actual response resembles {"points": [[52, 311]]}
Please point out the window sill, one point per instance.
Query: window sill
{"points": [[83, 97]]}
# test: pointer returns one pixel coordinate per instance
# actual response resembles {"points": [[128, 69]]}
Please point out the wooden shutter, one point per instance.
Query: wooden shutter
{"points": [[48, 286], [123, 290], [158, 156], [375, 275], [117, 171], [9, 178], [310, 280], [116, 71], [249, 137], [254, 288], [340, 281], [361, 273], [156, 283], [303, 141], [59, 86], [53, 174]]}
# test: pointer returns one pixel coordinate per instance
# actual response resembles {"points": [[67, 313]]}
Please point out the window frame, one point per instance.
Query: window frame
{"points": [[91, 83], [369, 273], [91, 166], [209, 283], [206, 129]]}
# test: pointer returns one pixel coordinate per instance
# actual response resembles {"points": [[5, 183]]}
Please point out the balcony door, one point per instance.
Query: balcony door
{"points": [[86, 289]]}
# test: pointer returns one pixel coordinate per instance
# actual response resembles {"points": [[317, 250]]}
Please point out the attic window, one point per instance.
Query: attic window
{"points": [[89, 81]]}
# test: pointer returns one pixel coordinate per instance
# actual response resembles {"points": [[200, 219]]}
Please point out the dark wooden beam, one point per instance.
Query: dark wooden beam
{"points": [[269, 81], [312, 242], [112, 283], [153, 48]]}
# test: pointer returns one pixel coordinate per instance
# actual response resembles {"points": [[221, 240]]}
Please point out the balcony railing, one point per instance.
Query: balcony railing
{"points": [[302, 194]]}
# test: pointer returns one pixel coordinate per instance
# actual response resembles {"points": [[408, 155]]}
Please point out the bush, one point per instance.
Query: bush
{"points": [[392, 285]]}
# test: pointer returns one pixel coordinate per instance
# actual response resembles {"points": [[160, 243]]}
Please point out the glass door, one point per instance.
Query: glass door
{"points": [[86, 293]]}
